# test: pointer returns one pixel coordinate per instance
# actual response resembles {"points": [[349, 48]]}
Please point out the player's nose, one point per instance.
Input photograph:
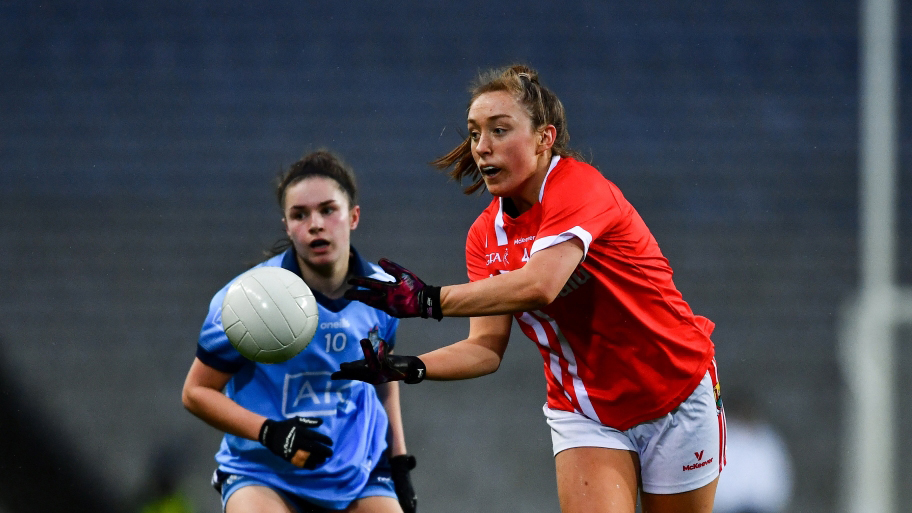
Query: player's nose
{"points": [[316, 223]]}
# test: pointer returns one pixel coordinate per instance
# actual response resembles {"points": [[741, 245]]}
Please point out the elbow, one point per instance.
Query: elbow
{"points": [[491, 365], [188, 400], [540, 295], [539, 290]]}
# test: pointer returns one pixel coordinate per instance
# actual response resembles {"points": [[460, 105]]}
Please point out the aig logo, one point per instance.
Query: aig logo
{"points": [[314, 394], [496, 257]]}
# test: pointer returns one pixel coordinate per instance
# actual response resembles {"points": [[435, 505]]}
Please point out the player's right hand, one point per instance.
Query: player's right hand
{"points": [[295, 440], [408, 296], [381, 366]]}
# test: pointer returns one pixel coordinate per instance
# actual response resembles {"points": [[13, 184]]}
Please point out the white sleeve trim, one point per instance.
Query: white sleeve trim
{"points": [[552, 240]]}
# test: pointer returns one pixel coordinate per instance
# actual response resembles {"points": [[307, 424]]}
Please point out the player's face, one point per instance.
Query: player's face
{"points": [[319, 220], [509, 152]]}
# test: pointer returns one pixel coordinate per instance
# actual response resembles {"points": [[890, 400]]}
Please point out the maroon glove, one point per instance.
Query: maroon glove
{"points": [[408, 296]]}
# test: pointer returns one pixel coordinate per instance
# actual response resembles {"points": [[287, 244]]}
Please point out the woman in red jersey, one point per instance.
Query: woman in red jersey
{"points": [[633, 397]]}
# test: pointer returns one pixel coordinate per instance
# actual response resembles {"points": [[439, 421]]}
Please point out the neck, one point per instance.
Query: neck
{"points": [[528, 196], [330, 280]]}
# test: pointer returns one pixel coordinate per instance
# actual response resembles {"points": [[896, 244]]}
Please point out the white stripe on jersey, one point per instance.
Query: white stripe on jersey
{"points": [[498, 219], [541, 192], [579, 389], [499, 226], [542, 339]]}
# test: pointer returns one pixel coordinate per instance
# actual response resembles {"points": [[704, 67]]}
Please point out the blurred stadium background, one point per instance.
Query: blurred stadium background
{"points": [[138, 143]]}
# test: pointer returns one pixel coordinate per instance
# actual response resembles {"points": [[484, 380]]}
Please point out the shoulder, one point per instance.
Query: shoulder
{"points": [[487, 216], [367, 269], [575, 182], [571, 171], [483, 224]]}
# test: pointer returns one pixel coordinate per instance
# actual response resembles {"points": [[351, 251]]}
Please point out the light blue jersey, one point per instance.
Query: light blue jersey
{"points": [[352, 414]]}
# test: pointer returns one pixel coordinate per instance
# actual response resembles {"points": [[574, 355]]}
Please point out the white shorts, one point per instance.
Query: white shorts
{"points": [[680, 452]]}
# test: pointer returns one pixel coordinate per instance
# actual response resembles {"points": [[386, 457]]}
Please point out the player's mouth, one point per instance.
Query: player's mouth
{"points": [[319, 244], [489, 171]]}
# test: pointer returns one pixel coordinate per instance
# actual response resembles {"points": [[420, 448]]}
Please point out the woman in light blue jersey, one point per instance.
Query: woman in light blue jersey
{"points": [[295, 440]]}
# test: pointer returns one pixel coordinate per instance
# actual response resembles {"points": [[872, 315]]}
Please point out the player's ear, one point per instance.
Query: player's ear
{"points": [[355, 216], [285, 225], [547, 136]]}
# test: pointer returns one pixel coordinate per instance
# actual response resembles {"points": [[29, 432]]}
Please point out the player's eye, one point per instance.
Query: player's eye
{"points": [[474, 135], [499, 131]]}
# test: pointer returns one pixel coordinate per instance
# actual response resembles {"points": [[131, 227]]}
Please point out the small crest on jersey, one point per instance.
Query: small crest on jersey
{"points": [[374, 336], [499, 258]]}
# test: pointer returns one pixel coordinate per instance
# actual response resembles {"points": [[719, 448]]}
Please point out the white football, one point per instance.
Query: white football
{"points": [[269, 314]]}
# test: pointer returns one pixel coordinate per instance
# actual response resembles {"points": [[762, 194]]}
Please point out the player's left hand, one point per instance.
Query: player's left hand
{"points": [[381, 366], [296, 441], [408, 296], [402, 481]]}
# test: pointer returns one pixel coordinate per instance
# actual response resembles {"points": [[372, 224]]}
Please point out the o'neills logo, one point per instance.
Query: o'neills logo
{"points": [[695, 466]]}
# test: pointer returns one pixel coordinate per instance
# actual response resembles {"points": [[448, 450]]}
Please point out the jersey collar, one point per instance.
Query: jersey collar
{"points": [[357, 265]]}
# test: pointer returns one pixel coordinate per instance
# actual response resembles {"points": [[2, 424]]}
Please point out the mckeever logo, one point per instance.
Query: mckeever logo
{"points": [[701, 464]]}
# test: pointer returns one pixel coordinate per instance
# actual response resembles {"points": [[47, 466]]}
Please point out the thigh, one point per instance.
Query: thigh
{"points": [[597, 480], [259, 499], [375, 504], [684, 450], [694, 501]]}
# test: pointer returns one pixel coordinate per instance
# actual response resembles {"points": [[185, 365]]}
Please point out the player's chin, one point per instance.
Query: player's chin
{"points": [[498, 188], [321, 257]]}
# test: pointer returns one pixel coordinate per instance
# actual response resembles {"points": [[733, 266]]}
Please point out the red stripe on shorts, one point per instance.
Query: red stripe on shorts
{"points": [[717, 391]]}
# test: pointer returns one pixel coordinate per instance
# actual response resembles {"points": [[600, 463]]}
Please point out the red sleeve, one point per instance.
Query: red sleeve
{"points": [[577, 201]]}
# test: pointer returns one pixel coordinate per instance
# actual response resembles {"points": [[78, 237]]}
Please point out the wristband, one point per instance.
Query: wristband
{"points": [[429, 299]]}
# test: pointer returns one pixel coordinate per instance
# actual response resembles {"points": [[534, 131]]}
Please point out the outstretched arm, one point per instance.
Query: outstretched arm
{"points": [[531, 287], [475, 356]]}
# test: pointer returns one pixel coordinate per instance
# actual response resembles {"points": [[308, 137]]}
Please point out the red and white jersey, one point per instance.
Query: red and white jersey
{"points": [[619, 343]]}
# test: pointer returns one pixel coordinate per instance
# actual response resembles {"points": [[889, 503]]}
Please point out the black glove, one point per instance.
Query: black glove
{"points": [[381, 367], [401, 466], [286, 437], [408, 296]]}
